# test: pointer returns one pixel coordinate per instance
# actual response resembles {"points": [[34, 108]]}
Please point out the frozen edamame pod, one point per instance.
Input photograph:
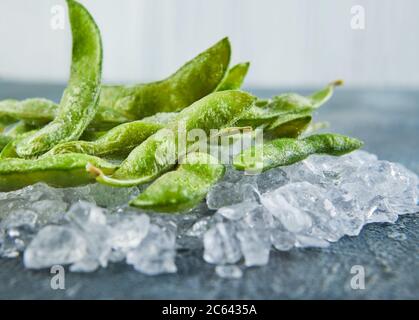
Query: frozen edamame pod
{"points": [[9, 150], [116, 143], [159, 153], [289, 125], [264, 112], [294, 102], [34, 110], [196, 79], [184, 188], [120, 103], [4, 140], [286, 151], [234, 78], [64, 170], [79, 103]]}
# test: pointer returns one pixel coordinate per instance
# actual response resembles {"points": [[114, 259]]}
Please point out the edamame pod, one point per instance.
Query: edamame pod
{"points": [[265, 113], [64, 170], [119, 104], [160, 152], [4, 141], [116, 143], [34, 110], [289, 125], [196, 79], [184, 188], [286, 151], [234, 77], [9, 150], [79, 103]]}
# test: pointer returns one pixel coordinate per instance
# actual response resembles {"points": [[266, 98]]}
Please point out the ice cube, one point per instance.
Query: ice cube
{"points": [[237, 211], [156, 253], [221, 245], [271, 180], [228, 193], [129, 231], [254, 244], [55, 245], [229, 271]]}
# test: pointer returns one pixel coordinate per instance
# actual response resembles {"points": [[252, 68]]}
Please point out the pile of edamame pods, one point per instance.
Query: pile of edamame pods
{"points": [[117, 135]]}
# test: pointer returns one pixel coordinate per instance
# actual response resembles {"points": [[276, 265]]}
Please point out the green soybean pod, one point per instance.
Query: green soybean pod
{"points": [[120, 103], [4, 141], [265, 112], [286, 151], [295, 102], [33, 110], [289, 125], [196, 79], [184, 188], [159, 152], [116, 143], [64, 170], [9, 150], [79, 103], [234, 78]]}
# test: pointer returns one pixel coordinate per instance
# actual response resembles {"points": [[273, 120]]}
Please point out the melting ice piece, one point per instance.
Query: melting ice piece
{"points": [[129, 231], [106, 196], [292, 218], [229, 271], [91, 222], [221, 245], [199, 228], [87, 264], [271, 180], [55, 245], [82, 213], [255, 244], [228, 193], [238, 211], [156, 253], [21, 218]]}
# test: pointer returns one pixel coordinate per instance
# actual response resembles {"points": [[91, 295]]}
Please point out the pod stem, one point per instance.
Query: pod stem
{"points": [[337, 83], [106, 180]]}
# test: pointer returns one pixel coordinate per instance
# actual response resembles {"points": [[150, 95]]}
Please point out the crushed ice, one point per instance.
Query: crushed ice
{"points": [[309, 204]]}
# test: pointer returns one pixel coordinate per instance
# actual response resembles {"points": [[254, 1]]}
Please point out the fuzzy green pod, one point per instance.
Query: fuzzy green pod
{"points": [[79, 102], [184, 188], [196, 79], [9, 150], [19, 128], [4, 141], [289, 125], [234, 78], [33, 110], [116, 143], [64, 170], [271, 113], [160, 152], [286, 151], [120, 103]]}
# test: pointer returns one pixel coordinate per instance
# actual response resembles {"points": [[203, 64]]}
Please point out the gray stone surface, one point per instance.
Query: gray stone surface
{"points": [[388, 122]]}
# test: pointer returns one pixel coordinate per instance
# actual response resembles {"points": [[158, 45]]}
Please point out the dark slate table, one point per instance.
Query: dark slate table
{"points": [[387, 120]]}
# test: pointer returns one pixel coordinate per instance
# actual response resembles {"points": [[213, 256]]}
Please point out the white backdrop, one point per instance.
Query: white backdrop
{"points": [[289, 42]]}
